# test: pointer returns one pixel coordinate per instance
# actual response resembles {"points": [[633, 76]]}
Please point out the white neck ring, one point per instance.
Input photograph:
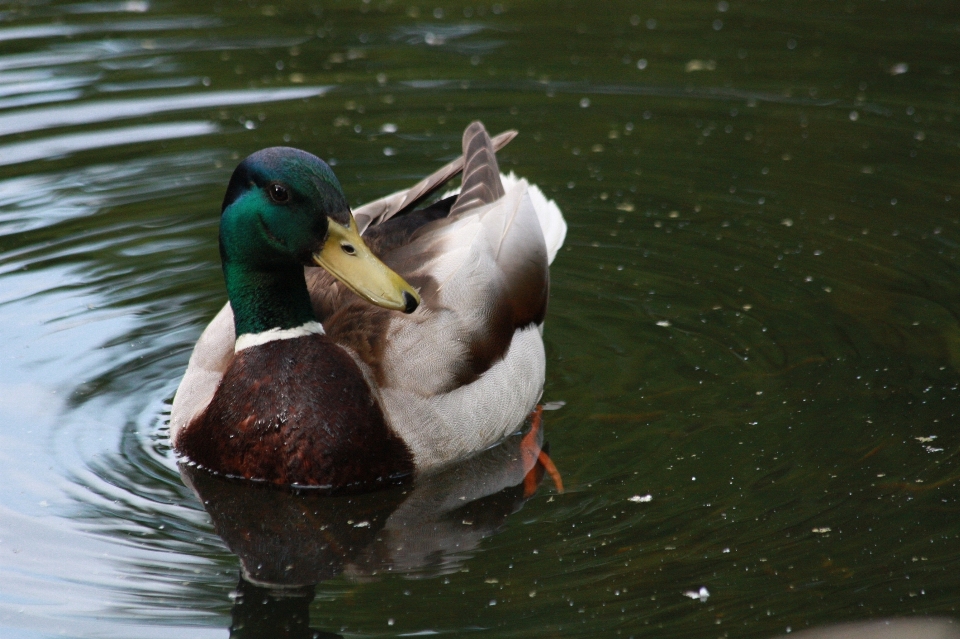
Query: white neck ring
{"points": [[248, 340]]}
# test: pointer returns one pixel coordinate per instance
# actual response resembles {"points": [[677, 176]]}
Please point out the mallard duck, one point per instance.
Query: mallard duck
{"points": [[366, 347]]}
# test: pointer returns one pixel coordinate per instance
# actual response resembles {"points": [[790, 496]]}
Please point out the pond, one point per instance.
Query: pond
{"points": [[753, 339]]}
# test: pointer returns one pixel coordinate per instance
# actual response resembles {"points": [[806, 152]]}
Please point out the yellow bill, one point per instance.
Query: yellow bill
{"points": [[345, 256]]}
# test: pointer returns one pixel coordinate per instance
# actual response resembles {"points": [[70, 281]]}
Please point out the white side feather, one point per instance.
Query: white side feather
{"points": [[479, 249], [450, 426], [208, 362]]}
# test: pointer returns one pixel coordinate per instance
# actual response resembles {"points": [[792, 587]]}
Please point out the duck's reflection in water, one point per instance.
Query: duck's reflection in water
{"points": [[288, 541], [270, 611]]}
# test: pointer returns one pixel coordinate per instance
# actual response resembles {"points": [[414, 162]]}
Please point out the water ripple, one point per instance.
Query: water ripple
{"points": [[109, 110], [61, 145], [63, 30]]}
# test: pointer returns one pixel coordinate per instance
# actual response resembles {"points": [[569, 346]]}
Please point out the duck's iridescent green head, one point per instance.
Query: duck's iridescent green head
{"points": [[283, 210], [278, 206]]}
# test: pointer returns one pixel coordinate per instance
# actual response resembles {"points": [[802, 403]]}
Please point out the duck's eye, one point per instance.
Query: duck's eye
{"points": [[278, 193], [348, 249]]}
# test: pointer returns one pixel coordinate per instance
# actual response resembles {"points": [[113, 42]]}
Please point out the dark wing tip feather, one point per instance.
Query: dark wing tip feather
{"points": [[381, 210], [481, 173]]}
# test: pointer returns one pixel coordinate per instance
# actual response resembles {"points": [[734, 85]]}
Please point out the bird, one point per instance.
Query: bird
{"points": [[369, 347]]}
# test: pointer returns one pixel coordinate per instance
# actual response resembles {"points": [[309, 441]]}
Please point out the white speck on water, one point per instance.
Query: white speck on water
{"points": [[854, 116], [924, 440], [899, 68], [822, 530], [642, 64], [663, 323], [362, 524], [641, 499], [700, 65], [389, 127], [584, 103], [703, 594], [557, 405], [389, 151]]}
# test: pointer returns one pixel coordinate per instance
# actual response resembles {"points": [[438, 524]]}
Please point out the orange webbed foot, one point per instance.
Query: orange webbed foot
{"points": [[536, 455]]}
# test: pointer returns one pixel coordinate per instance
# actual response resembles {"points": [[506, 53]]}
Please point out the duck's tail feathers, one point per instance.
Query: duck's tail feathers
{"points": [[552, 224], [481, 174], [381, 210]]}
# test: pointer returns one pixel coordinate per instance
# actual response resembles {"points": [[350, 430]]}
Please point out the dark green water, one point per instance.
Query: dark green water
{"points": [[754, 319]]}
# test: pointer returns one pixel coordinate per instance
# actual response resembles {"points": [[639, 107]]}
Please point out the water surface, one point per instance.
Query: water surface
{"points": [[754, 319]]}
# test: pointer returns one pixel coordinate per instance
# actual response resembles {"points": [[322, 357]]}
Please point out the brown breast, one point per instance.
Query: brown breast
{"points": [[296, 411]]}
